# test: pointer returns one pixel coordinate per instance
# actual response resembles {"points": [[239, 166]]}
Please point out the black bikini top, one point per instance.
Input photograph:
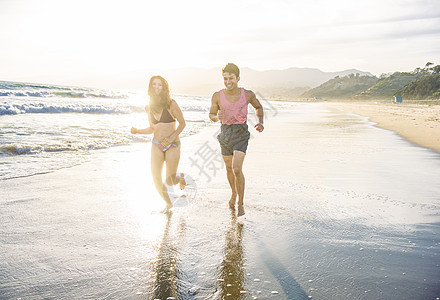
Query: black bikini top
{"points": [[165, 117]]}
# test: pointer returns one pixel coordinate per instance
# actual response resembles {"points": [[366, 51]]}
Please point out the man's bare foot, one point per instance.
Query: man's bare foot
{"points": [[182, 182], [231, 202], [240, 211]]}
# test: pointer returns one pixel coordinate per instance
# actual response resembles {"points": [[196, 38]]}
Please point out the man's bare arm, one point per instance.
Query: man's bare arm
{"points": [[258, 110], [215, 107]]}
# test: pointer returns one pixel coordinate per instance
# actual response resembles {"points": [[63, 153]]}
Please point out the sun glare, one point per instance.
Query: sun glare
{"points": [[72, 40]]}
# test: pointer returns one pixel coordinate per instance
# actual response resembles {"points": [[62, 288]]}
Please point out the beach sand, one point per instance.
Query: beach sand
{"points": [[419, 124], [336, 208]]}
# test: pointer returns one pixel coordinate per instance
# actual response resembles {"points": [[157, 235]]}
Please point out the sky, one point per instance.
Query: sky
{"points": [[71, 41]]}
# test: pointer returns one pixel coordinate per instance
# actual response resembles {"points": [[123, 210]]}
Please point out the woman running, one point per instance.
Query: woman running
{"points": [[162, 114]]}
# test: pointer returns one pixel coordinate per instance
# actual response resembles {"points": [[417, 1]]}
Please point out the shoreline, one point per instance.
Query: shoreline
{"points": [[416, 123]]}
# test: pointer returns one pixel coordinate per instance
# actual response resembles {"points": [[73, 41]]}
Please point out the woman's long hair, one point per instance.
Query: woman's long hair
{"points": [[161, 101]]}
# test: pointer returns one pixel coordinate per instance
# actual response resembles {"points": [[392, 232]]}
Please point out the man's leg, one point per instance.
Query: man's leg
{"points": [[237, 167], [231, 178]]}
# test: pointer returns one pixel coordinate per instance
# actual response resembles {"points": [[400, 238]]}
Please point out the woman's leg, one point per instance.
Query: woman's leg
{"points": [[157, 160], [172, 158]]}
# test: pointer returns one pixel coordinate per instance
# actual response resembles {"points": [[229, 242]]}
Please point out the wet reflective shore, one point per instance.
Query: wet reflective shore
{"points": [[335, 208]]}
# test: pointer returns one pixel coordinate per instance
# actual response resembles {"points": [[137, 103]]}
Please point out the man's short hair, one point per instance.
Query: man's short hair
{"points": [[231, 68]]}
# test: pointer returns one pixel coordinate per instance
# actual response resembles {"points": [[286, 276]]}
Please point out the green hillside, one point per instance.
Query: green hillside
{"points": [[386, 87], [420, 84], [341, 87], [425, 87]]}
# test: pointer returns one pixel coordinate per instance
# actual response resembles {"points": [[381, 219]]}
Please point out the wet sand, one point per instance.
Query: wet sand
{"points": [[336, 208], [419, 124]]}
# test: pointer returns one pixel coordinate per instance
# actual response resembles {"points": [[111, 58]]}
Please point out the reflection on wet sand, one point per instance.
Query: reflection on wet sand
{"points": [[167, 264], [231, 271]]}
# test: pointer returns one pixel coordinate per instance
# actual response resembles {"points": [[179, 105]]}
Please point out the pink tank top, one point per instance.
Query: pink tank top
{"points": [[234, 113]]}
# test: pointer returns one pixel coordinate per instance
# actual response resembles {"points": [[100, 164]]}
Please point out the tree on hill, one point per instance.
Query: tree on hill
{"points": [[427, 69], [417, 70], [428, 65]]}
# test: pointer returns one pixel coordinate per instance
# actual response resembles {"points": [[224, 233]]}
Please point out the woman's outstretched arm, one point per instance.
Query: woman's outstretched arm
{"points": [[148, 130]]}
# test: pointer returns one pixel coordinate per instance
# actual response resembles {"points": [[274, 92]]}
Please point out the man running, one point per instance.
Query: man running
{"points": [[230, 106]]}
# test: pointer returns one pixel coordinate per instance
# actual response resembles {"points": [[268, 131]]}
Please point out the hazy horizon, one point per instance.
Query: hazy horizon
{"points": [[203, 81]]}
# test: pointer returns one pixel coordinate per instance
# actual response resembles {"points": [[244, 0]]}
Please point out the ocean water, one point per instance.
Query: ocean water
{"points": [[44, 127]]}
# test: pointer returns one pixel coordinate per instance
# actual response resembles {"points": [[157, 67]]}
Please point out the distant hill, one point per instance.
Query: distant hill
{"points": [[272, 84], [425, 87], [288, 84], [386, 87], [342, 87], [420, 84], [279, 84]]}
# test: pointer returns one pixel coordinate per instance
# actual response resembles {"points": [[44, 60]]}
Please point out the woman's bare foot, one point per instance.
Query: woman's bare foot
{"points": [[240, 211], [231, 202], [182, 182], [168, 209]]}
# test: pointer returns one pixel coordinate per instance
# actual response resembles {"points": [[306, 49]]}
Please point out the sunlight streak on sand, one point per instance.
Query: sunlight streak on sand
{"points": [[140, 196]]}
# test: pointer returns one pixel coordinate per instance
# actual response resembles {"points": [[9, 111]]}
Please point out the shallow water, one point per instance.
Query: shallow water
{"points": [[44, 128], [355, 216]]}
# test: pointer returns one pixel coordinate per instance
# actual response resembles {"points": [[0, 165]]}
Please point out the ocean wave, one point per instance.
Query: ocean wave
{"points": [[18, 149], [54, 108], [15, 109], [61, 94], [14, 149], [20, 90], [196, 108]]}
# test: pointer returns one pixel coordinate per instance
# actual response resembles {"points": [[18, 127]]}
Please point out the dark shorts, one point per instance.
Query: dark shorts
{"points": [[233, 137]]}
